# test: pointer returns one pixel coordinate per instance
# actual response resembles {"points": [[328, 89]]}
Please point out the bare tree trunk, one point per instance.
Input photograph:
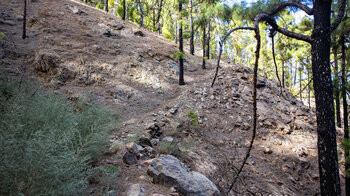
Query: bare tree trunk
{"points": [[175, 31], [154, 20], [141, 12], [336, 85], [106, 6], [345, 111], [86, 1], [274, 58], [124, 10], [283, 84], [300, 80], [295, 74], [158, 18], [181, 48], [309, 89], [326, 132], [208, 41], [24, 19], [191, 29], [204, 41]]}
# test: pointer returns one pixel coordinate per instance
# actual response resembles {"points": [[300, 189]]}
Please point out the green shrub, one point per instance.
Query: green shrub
{"points": [[194, 117], [46, 146], [178, 55], [100, 5], [1, 35]]}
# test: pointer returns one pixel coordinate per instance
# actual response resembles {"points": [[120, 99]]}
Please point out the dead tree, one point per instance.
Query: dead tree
{"points": [[24, 19]]}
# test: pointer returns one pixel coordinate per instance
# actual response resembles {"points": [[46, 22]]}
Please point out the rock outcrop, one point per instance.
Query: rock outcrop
{"points": [[170, 171]]}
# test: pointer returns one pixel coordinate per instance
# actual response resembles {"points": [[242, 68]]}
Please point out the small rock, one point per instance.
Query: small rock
{"points": [[150, 152], [139, 33], [19, 18], [129, 158], [304, 163], [7, 22], [76, 10], [261, 84], [135, 149], [145, 141], [168, 139], [135, 190], [116, 146], [154, 141], [118, 26], [267, 150]]}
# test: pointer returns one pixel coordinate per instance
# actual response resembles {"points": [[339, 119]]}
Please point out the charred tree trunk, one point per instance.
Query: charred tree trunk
{"points": [[154, 20], [181, 48], [124, 10], [208, 41], [345, 111], [141, 12], [191, 29], [272, 35], [158, 17], [24, 19], [106, 6], [283, 75], [300, 80], [326, 132], [336, 85], [204, 44], [309, 90], [175, 31]]}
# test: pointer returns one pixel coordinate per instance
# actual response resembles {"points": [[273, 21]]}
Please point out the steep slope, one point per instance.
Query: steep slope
{"points": [[86, 52]]}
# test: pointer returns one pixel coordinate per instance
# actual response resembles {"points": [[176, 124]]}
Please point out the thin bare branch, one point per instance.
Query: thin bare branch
{"points": [[281, 6], [221, 45], [272, 22], [255, 77], [272, 35], [340, 15]]}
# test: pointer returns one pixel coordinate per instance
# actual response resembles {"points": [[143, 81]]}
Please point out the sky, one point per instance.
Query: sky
{"points": [[298, 15]]}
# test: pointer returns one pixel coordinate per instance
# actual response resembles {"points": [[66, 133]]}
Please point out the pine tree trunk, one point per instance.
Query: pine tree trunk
{"points": [[336, 85], [208, 42], [141, 12], [283, 74], [159, 14], [326, 132], [300, 87], [175, 31], [106, 6], [127, 12], [154, 20], [309, 89], [124, 10], [204, 36], [192, 31], [24, 20], [181, 48], [345, 111]]}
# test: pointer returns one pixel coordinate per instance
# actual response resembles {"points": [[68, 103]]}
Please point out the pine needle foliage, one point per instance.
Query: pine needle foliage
{"points": [[47, 147]]}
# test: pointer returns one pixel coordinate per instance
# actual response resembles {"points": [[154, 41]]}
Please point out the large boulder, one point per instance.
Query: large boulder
{"points": [[171, 172]]}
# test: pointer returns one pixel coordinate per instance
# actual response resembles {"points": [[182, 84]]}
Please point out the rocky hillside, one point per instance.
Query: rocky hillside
{"points": [[80, 51]]}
